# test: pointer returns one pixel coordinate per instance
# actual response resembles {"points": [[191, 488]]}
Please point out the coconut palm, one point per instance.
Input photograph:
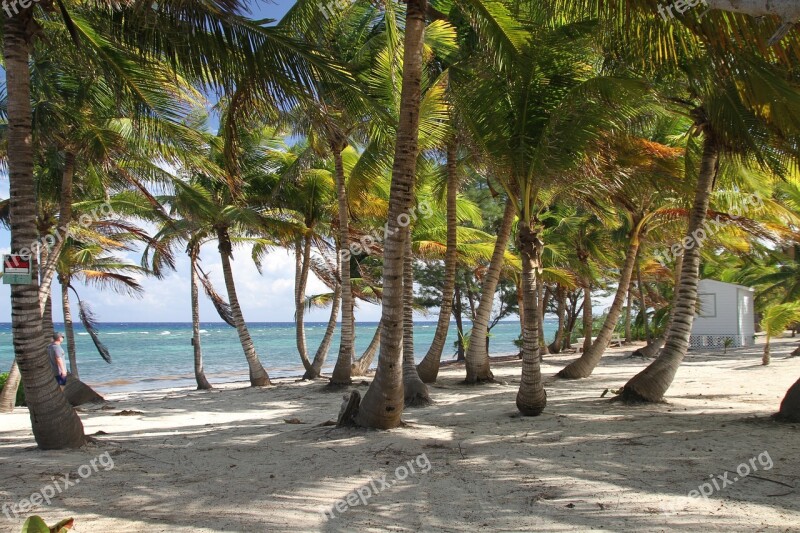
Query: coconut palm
{"points": [[133, 36], [650, 169], [718, 109], [775, 320], [382, 405], [731, 92], [86, 258], [428, 368]]}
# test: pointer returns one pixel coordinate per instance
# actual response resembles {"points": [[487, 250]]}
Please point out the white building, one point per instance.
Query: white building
{"points": [[725, 311]]}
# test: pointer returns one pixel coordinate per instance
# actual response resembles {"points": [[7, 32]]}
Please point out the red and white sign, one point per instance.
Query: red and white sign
{"points": [[16, 264]]}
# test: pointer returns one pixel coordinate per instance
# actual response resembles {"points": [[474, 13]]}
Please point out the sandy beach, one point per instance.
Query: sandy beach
{"points": [[243, 459]]}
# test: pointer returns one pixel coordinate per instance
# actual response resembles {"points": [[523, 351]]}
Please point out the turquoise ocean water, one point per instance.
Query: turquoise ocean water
{"points": [[159, 355]]}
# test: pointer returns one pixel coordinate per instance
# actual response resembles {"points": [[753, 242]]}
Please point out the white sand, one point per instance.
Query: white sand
{"points": [[226, 460]]}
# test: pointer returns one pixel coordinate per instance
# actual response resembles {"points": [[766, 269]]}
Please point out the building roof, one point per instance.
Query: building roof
{"points": [[714, 281]]}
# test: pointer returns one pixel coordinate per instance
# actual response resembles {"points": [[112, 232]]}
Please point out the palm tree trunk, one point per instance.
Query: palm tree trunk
{"points": [[643, 302], [302, 254], [477, 355], [382, 407], [588, 317], [48, 329], [588, 361], [55, 423], [199, 373], [542, 300], [765, 359], [69, 330], [558, 342], [651, 383], [62, 228], [458, 315], [363, 363], [324, 346], [531, 398], [429, 367], [652, 348], [258, 376], [790, 406], [46, 271], [415, 391], [341, 372], [628, 308], [8, 396]]}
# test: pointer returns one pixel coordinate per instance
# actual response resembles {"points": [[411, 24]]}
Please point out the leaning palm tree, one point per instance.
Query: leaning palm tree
{"points": [[718, 109], [648, 166], [88, 261], [428, 368], [122, 40], [737, 92]]}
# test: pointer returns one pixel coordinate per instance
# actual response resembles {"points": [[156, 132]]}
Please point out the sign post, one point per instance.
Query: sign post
{"points": [[17, 270]]}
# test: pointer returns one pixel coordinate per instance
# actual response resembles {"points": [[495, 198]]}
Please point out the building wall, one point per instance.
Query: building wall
{"points": [[747, 321], [725, 312]]}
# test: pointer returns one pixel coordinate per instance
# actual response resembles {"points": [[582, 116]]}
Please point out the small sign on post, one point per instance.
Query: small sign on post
{"points": [[17, 269]]}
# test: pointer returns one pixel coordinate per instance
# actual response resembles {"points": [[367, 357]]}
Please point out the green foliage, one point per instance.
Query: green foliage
{"points": [[778, 317], [35, 524], [20, 392]]}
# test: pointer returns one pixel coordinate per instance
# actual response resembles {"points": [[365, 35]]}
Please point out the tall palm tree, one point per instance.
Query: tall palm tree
{"points": [[428, 368], [382, 405], [133, 35]]}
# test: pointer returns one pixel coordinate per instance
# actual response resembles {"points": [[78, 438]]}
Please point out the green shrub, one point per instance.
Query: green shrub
{"points": [[20, 392]]}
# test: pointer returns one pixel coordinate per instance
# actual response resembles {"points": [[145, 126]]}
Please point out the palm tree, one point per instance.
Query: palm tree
{"points": [[775, 321], [214, 214], [382, 405], [477, 357], [133, 37], [428, 368], [716, 115], [648, 166], [194, 279], [86, 260], [728, 83], [55, 424]]}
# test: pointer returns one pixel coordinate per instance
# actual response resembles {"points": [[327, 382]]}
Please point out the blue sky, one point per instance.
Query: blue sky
{"points": [[264, 298]]}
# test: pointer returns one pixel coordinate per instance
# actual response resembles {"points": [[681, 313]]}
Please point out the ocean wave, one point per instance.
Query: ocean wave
{"points": [[82, 333], [165, 333], [203, 331], [116, 383]]}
